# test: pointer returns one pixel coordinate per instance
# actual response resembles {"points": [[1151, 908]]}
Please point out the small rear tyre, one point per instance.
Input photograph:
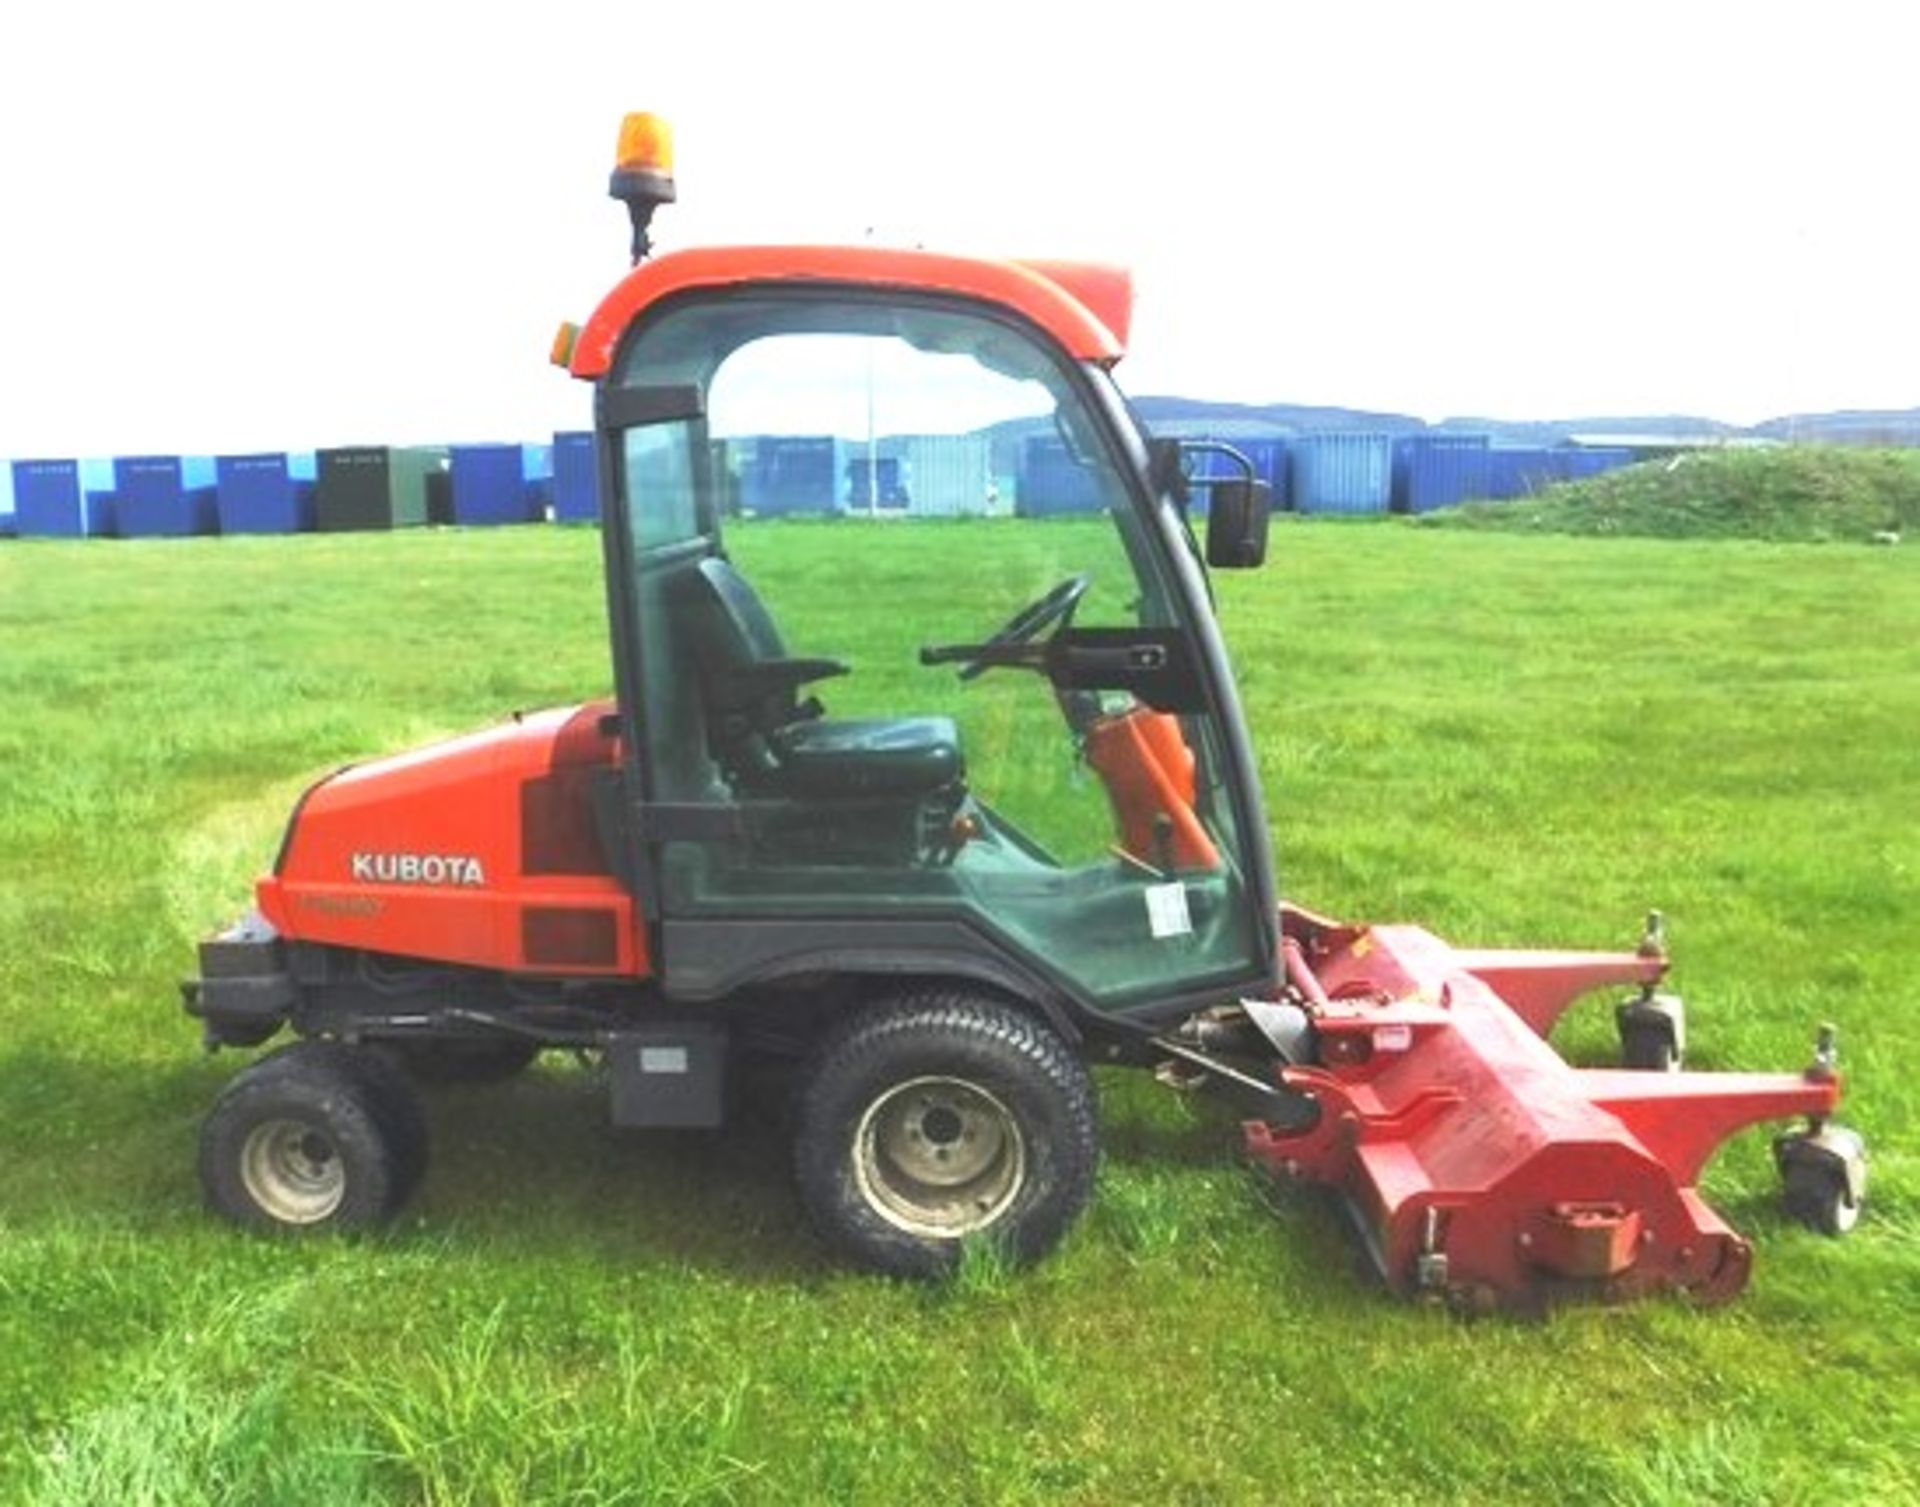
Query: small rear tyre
{"points": [[1823, 1178], [938, 1119], [1819, 1198], [320, 1136], [464, 1060], [1653, 1032]]}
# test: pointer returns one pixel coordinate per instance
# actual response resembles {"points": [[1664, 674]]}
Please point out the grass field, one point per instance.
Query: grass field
{"points": [[1510, 739]]}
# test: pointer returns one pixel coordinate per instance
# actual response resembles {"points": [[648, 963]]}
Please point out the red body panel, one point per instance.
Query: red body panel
{"points": [[479, 851], [1478, 1162], [1086, 308]]}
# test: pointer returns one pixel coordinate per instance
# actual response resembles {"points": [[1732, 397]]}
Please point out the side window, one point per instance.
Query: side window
{"points": [[659, 466]]}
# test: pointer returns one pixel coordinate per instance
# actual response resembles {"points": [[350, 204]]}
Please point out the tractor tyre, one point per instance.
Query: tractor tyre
{"points": [[318, 1136], [939, 1119], [464, 1060]]}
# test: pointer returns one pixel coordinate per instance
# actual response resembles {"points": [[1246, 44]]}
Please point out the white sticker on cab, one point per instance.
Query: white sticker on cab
{"points": [[1167, 913]]}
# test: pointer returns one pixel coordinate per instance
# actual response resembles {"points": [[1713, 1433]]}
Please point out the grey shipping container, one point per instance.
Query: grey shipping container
{"points": [[948, 475]]}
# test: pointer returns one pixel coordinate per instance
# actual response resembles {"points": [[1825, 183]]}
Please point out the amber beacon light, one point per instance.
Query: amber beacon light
{"points": [[643, 173]]}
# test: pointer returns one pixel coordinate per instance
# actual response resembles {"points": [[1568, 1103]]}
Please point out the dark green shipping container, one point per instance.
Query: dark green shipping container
{"points": [[375, 487]]}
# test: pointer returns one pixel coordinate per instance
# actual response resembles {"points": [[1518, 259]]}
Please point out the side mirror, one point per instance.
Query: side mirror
{"points": [[1237, 516]]}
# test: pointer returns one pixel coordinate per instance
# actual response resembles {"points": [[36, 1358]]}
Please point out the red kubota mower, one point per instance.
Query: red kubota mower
{"points": [[866, 872]]}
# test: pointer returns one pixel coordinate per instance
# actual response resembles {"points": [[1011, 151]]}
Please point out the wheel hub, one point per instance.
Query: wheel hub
{"points": [[939, 1156], [293, 1171]]}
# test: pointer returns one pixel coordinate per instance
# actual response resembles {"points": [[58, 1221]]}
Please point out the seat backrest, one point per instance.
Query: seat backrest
{"points": [[729, 631], [738, 629]]}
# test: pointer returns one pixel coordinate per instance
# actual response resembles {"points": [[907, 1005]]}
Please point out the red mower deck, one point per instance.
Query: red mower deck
{"points": [[1478, 1164]]}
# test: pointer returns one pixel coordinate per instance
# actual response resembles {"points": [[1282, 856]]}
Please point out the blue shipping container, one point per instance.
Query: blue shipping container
{"points": [[576, 478], [875, 486], [1051, 482], [270, 493], [789, 474], [491, 485], [6, 502], [1438, 471], [164, 496], [1341, 473], [1268, 457], [1571, 464], [1519, 471], [48, 499]]}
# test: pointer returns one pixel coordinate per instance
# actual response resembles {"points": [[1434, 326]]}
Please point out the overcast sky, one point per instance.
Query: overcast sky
{"points": [[265, 226]]}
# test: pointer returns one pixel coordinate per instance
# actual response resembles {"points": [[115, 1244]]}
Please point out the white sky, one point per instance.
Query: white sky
{"points": [[267, 226]]}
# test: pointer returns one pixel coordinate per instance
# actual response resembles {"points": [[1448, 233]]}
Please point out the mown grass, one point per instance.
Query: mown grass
{"points": [[1803, 493], [1509, 739]]}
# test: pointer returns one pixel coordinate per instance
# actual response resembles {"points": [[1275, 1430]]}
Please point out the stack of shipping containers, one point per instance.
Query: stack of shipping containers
{"points": [[1023, 469]]}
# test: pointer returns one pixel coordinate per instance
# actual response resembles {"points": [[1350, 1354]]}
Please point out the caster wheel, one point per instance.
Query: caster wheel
{"points": [[1823, 1176], [1653, 1032]]}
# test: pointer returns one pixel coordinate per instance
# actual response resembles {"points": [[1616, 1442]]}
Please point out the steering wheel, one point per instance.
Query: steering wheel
{"points": [[1055, 607]]}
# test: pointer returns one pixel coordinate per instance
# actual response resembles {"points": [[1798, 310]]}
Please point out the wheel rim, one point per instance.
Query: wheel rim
{"points": [[293, 1171], [939, 1157]]}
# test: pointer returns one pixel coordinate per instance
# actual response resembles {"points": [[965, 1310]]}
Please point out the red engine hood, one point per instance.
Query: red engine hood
{"points": [[480, 850]]}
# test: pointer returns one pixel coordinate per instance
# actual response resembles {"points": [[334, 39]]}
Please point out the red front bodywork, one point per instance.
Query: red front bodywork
{"points": [[1477, 1161], [480, 851]]}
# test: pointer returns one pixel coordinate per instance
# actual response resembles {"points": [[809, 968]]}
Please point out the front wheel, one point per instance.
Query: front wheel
{"points": [[317, 1137], [941, 1118]]}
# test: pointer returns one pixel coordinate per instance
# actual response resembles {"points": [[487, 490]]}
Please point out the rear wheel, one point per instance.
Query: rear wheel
{"points": [[319, 1136], [942, 1118]]}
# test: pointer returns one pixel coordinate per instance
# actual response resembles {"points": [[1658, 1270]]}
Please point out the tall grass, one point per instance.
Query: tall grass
{"points": [[1803, 493]]}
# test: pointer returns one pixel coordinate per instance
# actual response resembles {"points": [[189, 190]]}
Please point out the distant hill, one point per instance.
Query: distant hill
{"points": [[1893, 427], [1168, 414]]}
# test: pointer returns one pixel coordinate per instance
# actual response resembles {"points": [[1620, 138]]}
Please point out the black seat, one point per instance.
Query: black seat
{"points": [[771, 741], [911, 756]]}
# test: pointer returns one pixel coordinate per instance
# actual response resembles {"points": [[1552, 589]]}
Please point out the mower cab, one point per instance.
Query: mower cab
{"points": [[927, 839]]}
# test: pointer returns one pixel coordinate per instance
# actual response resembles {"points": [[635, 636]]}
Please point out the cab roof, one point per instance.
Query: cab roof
{"points": [[1086, 307]]}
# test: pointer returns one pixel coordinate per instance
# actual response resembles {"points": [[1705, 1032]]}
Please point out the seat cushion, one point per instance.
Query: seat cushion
{"points": [[851, 759]]}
